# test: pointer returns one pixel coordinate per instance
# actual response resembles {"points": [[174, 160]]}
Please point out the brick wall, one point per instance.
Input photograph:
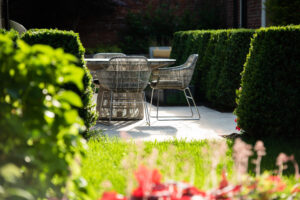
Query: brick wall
{"points": [[254, 13]]}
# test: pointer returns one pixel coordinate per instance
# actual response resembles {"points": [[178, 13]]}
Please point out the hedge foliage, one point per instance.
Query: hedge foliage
{"points": [[269, 99], [222, 54], [39, 127], [70, 43]]}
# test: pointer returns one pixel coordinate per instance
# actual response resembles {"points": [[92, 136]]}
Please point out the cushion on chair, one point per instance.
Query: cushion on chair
{"points": [[161, 53]]}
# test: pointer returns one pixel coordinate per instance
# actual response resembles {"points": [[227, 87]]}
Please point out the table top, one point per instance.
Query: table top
{"points": [[100, 63]]}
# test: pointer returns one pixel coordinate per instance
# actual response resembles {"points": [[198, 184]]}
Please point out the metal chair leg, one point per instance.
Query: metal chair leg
{"points": [[146, 110], [157, 106], [188, 96], [111, 105], [152, 92], [194, 103], [187, 99]]}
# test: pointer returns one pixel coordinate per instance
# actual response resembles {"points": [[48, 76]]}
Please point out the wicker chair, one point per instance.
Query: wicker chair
{"points": [[103, 55], [126, 78], [178, 78], [101, 90]]}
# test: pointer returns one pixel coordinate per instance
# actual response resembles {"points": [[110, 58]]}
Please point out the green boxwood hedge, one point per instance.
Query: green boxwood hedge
{"points": [[70, 42], [222, 54], [269, 99]]}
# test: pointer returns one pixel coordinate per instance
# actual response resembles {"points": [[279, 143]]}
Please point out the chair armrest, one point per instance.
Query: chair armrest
{"points": [[179, 67]]}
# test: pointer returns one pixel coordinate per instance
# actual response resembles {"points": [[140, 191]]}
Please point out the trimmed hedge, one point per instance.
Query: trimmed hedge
{"points": [[13, 34], [70, 42], [237, 48], [222, 54], [269, 100]]}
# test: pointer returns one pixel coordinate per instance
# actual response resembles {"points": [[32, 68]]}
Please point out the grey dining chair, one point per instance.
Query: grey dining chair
{"points": [[103, 55], [126, 78], [102, 95], [179, 78]]}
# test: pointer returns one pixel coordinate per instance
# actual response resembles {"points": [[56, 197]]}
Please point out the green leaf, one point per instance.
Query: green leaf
{"points": [[10, 173], [71, 116], [20, 193], [70, 97]]}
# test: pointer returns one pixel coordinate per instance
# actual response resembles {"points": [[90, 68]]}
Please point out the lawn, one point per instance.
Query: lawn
{"points": [[110, 163], [115, 161]]}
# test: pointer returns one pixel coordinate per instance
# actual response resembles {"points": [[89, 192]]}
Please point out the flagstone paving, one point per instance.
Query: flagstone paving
{"points": [[212, 125]]}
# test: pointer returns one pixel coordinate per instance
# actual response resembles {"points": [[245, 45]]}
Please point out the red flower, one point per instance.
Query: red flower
{"points": [[156, 176], [296, 189], [235, 120], [224, 181], [147, 179], [191, 191], [112, 196], [275, 179], [278, 183], [238, 128], [138, 192]]}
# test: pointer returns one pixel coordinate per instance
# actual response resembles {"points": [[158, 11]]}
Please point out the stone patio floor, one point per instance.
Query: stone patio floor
{"points": [[211, 125]]}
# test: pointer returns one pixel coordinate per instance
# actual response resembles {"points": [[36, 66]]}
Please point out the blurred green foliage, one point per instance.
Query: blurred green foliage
{"points": [[39, 125], [104, 49], [155, 26], [269, 99], [283, 12], [70, 43]]}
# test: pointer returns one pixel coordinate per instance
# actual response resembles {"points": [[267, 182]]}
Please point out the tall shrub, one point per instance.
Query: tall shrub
{"points": [[269, 100], [70, 42], [222, 54], [39, 128], [215, 59], [229, 78], [200, 45], [204, 66]]}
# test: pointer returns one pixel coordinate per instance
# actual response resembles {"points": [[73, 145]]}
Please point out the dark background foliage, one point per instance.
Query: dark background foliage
{"points": [[155, 26], [59, 14], [283, 12]]}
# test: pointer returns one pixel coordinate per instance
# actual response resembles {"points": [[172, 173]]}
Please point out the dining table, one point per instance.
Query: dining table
{"points": [[124, 111], [101, 63]]}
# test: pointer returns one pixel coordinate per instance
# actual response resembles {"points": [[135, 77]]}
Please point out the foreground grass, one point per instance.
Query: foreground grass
{"points": [[115, 161], [110, 163]]}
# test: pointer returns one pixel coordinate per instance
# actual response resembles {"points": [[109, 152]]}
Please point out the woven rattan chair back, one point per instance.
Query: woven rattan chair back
{"points": [[125, 74], [104, 55], [178, 77]]}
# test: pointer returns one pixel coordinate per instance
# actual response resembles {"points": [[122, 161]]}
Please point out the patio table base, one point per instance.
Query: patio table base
{"points": [[126, 106]]}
